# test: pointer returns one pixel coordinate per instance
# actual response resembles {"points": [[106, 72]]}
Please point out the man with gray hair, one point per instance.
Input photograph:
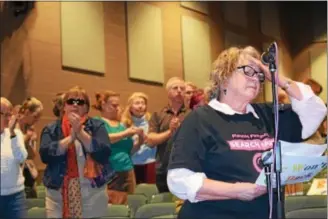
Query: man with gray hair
{"points": [[13, 155], [163, 124]]}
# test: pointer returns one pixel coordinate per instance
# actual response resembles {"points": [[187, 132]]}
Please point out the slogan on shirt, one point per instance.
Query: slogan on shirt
{"points": [[251, 142]]}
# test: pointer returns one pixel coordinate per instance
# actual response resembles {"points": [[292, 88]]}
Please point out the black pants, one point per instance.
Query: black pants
{"points": [[30, 189], [217, 210], [161, 182]]}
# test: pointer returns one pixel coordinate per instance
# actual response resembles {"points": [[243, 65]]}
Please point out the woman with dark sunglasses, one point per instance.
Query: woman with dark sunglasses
{"points": [[76, 150], [215, 158]]}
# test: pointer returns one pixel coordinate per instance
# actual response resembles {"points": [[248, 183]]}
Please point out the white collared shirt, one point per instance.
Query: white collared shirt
{"points": [[311, 110], [222, 107]]}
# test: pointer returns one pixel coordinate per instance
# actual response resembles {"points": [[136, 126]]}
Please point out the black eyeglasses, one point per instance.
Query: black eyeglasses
{"points": [[250, 72], [78, 102]]}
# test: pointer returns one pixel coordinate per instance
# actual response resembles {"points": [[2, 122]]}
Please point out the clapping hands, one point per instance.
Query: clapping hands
{"points": [[75, 121], [135, 131], [174, 124]]}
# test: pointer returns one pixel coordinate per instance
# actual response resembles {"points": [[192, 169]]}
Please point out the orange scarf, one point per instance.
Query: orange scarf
{"points": [[91, 170]]}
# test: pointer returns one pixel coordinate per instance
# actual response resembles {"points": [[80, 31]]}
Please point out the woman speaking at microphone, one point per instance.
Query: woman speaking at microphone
{"points": [[215, 157]]}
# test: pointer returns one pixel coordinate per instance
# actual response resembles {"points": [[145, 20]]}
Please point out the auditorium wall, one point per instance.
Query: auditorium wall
{"points": [[307, 37], [31, 58]]}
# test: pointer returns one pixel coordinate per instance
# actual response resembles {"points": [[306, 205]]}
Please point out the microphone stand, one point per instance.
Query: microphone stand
{"points": [[267, 170], [276, 144]]}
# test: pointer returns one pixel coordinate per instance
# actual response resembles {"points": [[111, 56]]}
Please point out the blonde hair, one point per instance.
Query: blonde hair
{"points": [[5, 102], [190, 84], [171, 81], [31, 104], [126, 116], [225, 65], [103, 96], [77, 91]]}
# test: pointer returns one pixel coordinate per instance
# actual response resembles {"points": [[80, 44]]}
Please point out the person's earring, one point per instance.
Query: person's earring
{"points": [[261, 77], [225, 91]]}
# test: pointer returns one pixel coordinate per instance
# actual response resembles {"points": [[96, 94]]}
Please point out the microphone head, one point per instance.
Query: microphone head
{"points": [[267, 157], [267, 58], [264, 58]]}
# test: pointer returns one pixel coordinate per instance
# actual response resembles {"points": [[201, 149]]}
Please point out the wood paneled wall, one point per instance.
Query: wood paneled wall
{"points": [[31, 57]]}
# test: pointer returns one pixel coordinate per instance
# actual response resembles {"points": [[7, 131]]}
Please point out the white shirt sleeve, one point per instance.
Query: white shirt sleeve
{"points": [[311, 110], [18, 147], [185, 183]]}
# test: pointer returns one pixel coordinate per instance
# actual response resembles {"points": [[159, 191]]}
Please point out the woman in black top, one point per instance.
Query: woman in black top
{"points": [[215, 156]]}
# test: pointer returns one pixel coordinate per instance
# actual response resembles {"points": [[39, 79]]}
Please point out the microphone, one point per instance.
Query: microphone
{"points": [[267, 158], [269, 56]]}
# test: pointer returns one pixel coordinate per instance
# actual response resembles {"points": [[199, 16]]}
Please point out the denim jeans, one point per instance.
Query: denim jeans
{"points": [[13, 206]]}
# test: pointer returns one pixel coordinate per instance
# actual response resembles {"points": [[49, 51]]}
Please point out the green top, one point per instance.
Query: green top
{"points": [[120, 157]]}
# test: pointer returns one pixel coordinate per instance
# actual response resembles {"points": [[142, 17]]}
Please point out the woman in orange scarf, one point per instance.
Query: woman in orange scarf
{"points": [[76, 150]]}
